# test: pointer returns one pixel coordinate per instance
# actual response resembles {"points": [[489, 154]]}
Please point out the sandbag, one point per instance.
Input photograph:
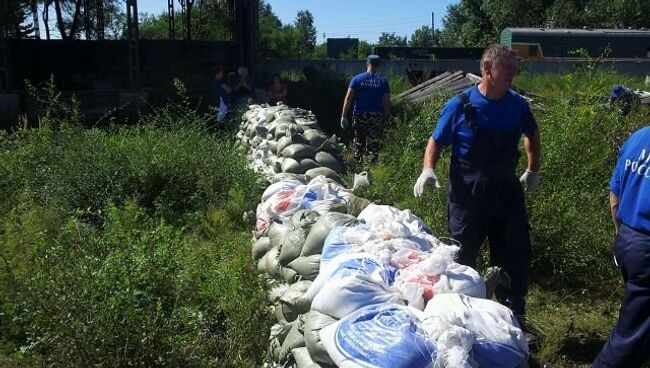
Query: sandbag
{"points": [[331, 145], [280, 331], [280, 185], [499, 341], [289, 165], [353, 283], [298, 151], [308, 164], [291, 244], [303, 360], [321, 229], [384, 335], [314, 323], [328, 160], [289, 275], [260, 247], [324, 171], [272, 266], [286, 141], [315, 137], [292, 302], [307, 267], [277, 231], [294, 339], [357, 204]]}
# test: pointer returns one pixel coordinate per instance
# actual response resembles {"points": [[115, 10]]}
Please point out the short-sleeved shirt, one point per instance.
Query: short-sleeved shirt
{"points": [[631, 181], [369, 89], [508, 113]]}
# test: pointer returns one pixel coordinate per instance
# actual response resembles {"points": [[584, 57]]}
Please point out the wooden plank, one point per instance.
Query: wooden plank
{"points": [[451, 78], [423, 84]]}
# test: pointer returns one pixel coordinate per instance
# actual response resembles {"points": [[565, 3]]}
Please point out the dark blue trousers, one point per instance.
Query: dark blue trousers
{"points": [[478, 209], [629, 342]]}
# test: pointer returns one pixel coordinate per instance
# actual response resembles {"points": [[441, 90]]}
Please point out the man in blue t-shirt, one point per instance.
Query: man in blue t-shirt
{"points": [[483, 126], [371, 96], [630, 206]]}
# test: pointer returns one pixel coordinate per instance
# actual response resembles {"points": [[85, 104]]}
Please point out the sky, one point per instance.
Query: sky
{"points": [[365, 20]]}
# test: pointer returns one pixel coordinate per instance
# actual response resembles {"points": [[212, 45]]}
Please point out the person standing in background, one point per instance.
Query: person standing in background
{"points": [[371, 96]]}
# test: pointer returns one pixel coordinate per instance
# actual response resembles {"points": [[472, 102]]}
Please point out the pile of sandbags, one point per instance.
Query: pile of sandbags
{"points": [[357, 284], [282, 140]]}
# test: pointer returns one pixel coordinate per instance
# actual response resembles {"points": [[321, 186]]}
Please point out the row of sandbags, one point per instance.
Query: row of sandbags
{"points": [[356, 284], [287, 140]]}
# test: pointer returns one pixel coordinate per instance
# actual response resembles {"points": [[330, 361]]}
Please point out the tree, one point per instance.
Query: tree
{"points": [[422, 37], [391, 39], [306, 31], [365, 49], [467, 25]]}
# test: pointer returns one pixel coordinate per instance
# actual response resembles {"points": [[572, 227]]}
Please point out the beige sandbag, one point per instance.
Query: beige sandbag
{"points": [[325, 171]]}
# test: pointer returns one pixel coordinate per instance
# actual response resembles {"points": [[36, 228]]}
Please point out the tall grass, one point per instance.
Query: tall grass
{"points": [[126, 246]]}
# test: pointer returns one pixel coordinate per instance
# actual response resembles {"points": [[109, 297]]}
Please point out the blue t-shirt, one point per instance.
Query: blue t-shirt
{"points": [[369, 89], [631, 181], [510, 112]]}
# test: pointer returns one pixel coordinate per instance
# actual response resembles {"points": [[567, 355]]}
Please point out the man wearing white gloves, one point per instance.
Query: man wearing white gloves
{"points": [[484, 125], [370, 94]]}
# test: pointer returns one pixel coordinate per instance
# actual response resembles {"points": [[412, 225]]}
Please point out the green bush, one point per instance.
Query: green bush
{"points": [[138, 293], [126, 246], [569, 214]]}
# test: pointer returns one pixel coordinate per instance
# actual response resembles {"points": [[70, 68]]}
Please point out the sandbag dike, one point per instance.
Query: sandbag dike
{"points": [[355, 283]]}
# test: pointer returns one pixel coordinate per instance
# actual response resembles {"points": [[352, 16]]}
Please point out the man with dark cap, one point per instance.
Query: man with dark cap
{"points": [[371, 96]]}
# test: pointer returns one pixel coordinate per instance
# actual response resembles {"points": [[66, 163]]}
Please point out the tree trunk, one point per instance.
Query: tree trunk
{"points": [[59, 20], [74, 27], [46, 18]]}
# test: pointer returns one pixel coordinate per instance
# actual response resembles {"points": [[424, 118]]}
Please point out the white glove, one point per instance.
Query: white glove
{"points": [[344, 123], [428, 177], [530, 180]]}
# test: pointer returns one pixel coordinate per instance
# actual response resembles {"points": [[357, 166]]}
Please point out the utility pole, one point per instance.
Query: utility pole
{"points": [[433, 30]]}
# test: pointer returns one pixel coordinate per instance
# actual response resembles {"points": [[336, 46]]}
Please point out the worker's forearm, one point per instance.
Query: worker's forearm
{"points": [[431, 154], [613, 207], [533, 147]]}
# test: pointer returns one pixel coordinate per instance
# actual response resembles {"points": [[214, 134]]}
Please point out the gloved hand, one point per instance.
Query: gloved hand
{"points": [[428, 177], [344, 123], [530, 180]]}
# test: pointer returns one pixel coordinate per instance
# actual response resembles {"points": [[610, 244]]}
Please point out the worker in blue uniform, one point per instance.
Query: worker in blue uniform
{"points": [[484, 125], [629, 342]]}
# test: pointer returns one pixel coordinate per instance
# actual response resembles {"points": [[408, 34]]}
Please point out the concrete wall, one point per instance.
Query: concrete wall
{"points": [[97, 72], [639, 67]]}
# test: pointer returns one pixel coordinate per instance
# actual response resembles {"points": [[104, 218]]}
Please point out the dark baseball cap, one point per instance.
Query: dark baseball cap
{"points": [[373, 59]]}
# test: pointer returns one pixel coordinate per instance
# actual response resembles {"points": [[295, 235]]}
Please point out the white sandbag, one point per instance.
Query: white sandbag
{"points": [[384, 216], [352, 282], [314, 323], [345, 239], [383, 335], [276, 187], [499, 342], [460, 279]]}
